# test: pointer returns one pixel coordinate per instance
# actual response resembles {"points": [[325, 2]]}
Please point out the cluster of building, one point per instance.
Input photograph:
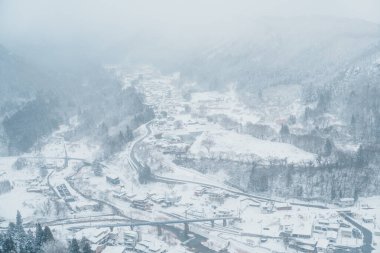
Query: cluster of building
{"points": [[320, 235], [214, 195], [65, 193], [146, 202], [105, 240], [271, 207]]}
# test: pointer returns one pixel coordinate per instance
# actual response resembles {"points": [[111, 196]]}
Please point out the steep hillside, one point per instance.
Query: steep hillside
{"points": [[34, 103], [272, 51], [26, 112], [18, 79]]}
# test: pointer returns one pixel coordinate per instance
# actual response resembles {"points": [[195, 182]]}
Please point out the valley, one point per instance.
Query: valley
{"points": [[195, 161]]}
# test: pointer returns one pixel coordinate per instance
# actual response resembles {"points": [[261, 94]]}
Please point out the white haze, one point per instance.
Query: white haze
{"points": [[107, 22]]}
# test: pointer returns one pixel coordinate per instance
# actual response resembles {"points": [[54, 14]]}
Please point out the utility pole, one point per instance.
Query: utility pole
{"points": [[66, 158]]}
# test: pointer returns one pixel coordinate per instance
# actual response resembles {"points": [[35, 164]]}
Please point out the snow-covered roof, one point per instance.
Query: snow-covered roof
{"points": [[323, 243], [303, 229], [334, 225], [331, 234], [114, 249], [346, 200], [94, 235], [113, 176]]}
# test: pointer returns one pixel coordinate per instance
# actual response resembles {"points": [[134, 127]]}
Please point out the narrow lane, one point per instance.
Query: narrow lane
{"points": [[367, 234]]}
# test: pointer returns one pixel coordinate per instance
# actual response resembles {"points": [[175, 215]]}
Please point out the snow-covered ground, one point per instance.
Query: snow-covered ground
{"points": [[19, 198], [181, 129], [226, 103], [237, 145]]}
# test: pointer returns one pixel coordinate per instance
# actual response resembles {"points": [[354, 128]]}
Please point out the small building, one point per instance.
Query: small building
{"points": [[304, 230], [346, 232], [85, 206], [172, 199], [200, 191], [250, 202], [158, 199], [130, 239], [142, 204], [322, 245], [38, 189], [223, 213], [268, 207], [346, 202], [114, 249], [365, 206], [324, 222], [286, 226], [113, 179], [368, 219], [94, 235], [331, 236], [333, 227], [216, 243], [120, 195], [217, 196], [283, 206], [299, 246], [146, 246]]}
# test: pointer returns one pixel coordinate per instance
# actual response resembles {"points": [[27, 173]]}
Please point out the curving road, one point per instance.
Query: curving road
{"points": [[133, 161]]}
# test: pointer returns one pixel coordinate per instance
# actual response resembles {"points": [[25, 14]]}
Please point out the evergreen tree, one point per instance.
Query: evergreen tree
{"points": [[86, 248], [19, 237], [11, 231], [284, 129], [356, 194], [29, 242], [327, 148], [47, 235], [74, 246], [39, 237], [18, 219], [284, 132], [1, 241], [129, 134], [353, 126], [82, 242], [121, 138], [22, 250], [9, 245], [333, 193], [361, 159]]}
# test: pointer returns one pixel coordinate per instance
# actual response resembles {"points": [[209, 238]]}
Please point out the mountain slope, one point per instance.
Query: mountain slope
{"points": [[270, 51]]}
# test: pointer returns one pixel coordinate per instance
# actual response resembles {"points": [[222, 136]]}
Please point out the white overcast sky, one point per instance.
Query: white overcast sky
{"points": [[63, 19]]}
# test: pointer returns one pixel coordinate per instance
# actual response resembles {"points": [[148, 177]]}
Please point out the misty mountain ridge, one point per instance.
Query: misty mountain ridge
{"points": [[281, 51]]}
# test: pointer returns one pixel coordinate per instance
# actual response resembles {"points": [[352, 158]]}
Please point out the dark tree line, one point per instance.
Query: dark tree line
{"points": [[34, 120], [17, 240]]}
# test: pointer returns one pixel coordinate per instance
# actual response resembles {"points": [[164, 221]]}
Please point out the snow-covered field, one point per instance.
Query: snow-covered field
{"points": [[224, 103], [236, 145], [18, 198]]}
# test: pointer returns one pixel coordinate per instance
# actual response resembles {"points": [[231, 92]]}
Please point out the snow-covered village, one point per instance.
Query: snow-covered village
{"points": [[261, 136]]}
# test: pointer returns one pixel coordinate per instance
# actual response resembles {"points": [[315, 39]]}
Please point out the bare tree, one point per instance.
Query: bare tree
{"points": [[54, 247], [208, 143], [46, 208]]}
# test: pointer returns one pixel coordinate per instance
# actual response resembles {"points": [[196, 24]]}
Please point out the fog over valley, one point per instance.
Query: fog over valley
{"points": [[189, 126]]}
